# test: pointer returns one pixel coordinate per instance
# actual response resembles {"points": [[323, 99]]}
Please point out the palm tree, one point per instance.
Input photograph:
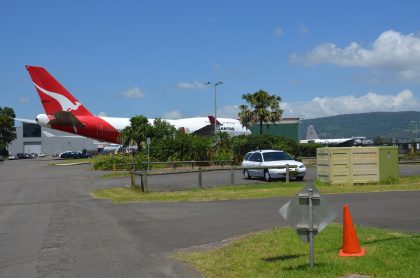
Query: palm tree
{"points": [[262, 108], [138, 131]]}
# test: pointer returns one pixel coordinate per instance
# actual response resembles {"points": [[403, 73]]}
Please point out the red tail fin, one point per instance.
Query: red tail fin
{"points": [[213, 120], [54, 96]]}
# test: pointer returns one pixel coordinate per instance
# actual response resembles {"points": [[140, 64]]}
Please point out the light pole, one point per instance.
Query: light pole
{"points": [[215, 103]]}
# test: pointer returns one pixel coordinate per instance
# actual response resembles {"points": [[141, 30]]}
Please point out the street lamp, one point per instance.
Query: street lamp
{"points": [[215, 103]]}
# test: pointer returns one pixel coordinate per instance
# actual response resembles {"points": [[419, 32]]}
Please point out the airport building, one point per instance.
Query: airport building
{"points": [[32, 138], [287, 127]]}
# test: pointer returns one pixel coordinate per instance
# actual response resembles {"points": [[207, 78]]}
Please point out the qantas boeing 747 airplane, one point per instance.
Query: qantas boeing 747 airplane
{"points": [[64, 112]]}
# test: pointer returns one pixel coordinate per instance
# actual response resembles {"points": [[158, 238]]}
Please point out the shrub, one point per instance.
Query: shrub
{"points": [[223, 155], [106, 162]]}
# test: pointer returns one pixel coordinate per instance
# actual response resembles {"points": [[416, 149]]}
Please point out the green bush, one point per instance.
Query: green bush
{"points": [[186, 147], [223, 155], [106, 162], [286, 144]]}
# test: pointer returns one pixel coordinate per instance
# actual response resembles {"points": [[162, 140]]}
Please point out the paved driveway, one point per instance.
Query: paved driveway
{"points": [[50, 227]]}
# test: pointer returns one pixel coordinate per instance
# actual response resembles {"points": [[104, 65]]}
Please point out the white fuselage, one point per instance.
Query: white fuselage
{"points": [[231, 126]]}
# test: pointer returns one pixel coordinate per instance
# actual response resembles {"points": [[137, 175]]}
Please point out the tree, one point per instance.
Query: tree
{"points": [[138, 131], [162, 143], [222, 141], [201, 147], [222, 146], [183, 147], [7, 128], [162, 129], [262, 108]]}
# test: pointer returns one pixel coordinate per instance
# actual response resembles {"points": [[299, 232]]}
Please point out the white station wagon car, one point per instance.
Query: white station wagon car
{"points": [[262, 158]]}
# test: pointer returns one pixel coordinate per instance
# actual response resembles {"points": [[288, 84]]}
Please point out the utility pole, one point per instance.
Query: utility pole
{"points": [[215, 102]]}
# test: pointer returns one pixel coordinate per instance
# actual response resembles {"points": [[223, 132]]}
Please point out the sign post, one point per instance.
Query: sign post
{"points": [[311, 230], [308, 214]]}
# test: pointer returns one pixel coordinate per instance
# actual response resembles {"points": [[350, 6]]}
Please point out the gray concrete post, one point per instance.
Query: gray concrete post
{"points": [[232, 175], [200, 177]]}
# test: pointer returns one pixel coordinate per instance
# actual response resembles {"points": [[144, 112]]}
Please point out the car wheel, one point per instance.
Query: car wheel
{"points": [[299, 178], [267, 175], [246, 174]]}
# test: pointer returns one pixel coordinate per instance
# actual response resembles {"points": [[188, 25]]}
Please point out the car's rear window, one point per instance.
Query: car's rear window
{"points": [[275, 156]]}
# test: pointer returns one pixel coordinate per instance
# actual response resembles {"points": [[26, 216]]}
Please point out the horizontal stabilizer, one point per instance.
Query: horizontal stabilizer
{"points": [[66, 119]]}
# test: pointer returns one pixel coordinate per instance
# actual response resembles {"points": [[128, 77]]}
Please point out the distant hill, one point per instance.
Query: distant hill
{"points": [[399, 125]]}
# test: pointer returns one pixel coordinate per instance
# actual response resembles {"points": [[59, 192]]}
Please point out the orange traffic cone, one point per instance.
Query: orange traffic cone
{"points": [[351, 245]]}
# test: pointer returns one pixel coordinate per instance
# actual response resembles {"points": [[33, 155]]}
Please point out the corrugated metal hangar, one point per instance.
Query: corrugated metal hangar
{"points": [[32, 138]]}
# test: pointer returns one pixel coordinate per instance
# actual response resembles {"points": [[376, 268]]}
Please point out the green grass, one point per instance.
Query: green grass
{"points": [[118, 174], [263, 190], [280, 253]]}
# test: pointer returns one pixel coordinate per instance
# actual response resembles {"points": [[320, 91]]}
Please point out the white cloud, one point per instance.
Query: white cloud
{"points": [[24, 100], [391, 51], [228, 111], [371, 102], [102, 114], [278, 32], [191, 85], [331, 106], [133, 92], [174, 114]]}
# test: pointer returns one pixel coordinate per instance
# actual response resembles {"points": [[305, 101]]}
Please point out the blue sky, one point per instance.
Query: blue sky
{"points": [[125, 58]]}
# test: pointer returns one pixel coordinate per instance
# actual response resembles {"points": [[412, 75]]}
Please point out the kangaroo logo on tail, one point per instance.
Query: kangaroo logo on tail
{"points": [[65, 103]]}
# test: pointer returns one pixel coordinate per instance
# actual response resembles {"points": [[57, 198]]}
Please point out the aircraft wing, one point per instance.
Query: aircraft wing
{"points": [[205, 130], [25, 120], [208, 129]]}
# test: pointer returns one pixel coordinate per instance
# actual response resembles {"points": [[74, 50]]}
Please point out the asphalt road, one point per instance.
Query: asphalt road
{"points": [[190, 180], [51, 227]]}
